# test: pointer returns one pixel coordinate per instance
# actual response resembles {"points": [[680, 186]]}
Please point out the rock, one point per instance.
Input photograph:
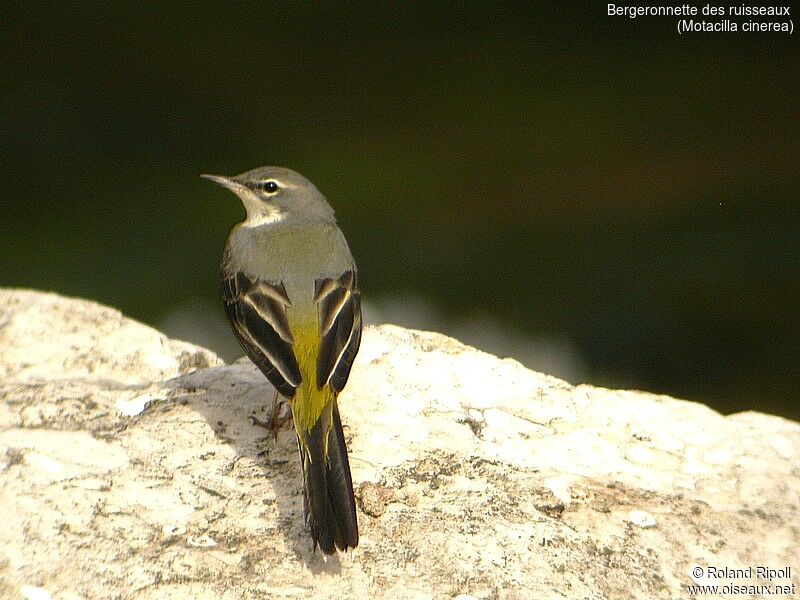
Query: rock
{"points": [[129, 467]]}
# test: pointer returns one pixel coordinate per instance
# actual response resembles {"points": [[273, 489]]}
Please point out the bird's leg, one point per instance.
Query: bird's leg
{"points": [[281, 414]]}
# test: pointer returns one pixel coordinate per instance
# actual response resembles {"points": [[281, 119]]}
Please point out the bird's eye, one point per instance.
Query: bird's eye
{"points": [[269, 186]]}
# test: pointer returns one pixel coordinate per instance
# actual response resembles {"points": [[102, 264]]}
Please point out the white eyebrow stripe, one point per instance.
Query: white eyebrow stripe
{"points": [[281, 184]]}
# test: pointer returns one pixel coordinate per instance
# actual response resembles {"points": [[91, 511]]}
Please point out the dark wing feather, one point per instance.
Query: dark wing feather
{"points": [[340, 326], [257, 312]]}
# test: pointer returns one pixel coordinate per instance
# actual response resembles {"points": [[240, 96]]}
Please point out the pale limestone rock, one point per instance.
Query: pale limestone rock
{"points": [[129, 468]]}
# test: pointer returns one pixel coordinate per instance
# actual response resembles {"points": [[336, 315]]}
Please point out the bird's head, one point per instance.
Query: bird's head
{"points": [[276, 194]]}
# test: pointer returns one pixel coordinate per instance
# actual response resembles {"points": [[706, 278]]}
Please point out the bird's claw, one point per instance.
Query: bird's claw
{"points": [[278, 419]]}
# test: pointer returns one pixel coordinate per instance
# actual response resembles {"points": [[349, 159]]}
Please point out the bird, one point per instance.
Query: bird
{"points": [[290, 293]]}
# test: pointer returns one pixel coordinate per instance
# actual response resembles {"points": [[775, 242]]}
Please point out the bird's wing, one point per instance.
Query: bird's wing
{"points": [[339, 304], [257, 312]]}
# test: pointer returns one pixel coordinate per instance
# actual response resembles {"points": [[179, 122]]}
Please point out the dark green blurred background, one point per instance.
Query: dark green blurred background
{"points": [[599, 197]]}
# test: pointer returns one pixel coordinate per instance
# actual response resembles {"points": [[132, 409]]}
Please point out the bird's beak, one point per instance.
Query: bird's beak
{"points": [[226, 182], [252, 203]]}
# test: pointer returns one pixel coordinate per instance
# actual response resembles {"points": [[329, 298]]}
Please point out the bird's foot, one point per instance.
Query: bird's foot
{"points": [[281, 414]]}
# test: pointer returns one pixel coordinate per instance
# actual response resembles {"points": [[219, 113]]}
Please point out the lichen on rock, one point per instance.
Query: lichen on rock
{"points": [[129, 468]]}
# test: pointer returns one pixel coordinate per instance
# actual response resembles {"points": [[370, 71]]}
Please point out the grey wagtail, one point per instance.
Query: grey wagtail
{"points": [[290, 293]]}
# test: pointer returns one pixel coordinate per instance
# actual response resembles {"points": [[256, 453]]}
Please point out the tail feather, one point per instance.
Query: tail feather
{"points": [[329, 505], [340, 483]]}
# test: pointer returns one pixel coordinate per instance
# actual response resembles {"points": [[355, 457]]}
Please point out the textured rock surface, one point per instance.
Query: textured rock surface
{"points": [[129, 468]]}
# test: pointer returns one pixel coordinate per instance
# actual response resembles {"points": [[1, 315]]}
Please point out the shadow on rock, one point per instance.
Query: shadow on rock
{"points": [[233, 400]]}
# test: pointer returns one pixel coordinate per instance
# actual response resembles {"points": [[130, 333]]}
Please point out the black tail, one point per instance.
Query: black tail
{"points": [[329, 506]]}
